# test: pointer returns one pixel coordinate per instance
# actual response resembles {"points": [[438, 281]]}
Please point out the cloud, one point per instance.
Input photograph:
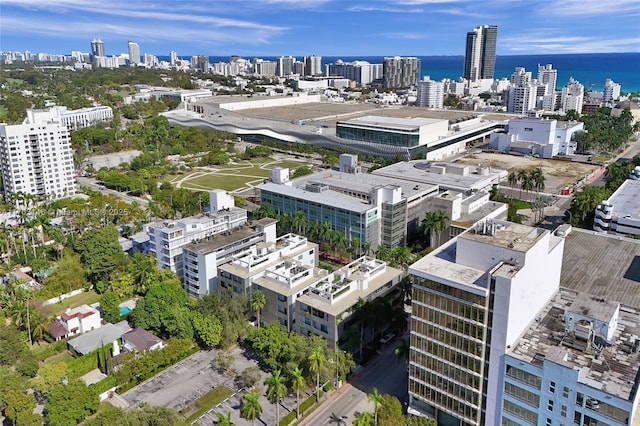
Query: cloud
{"points": [[405, 36], [539, 42], [387, 9], [596, 8]]}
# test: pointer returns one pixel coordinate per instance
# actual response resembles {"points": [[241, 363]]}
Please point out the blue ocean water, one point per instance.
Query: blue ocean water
{"points": [[590, 69]]}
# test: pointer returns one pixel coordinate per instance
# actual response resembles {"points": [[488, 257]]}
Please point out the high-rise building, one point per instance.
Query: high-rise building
{"points": [[134, 53], [312, 65], [200, 63], [548, 77], [97, 48], [572, 96], [430, 93], [285, 65], [472, 299], [36, 158], [611, 91], [480, 54], [400, 71], [361, 72], [173, 55], [522, 93]]}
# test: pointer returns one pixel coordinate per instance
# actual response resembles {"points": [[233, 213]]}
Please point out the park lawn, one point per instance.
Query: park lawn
{"points": [[86, 297], [209, 400], [228, 183]]}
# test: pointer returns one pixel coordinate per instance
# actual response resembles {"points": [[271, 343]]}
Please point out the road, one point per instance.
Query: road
{"points": [[92, 184], [384, 373]]}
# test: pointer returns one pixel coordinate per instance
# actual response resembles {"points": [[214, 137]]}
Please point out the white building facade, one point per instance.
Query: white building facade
{"points": [[430, 93], [620, 214]]}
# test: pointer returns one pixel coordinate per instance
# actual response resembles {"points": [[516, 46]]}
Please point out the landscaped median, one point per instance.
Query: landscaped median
{"points": [[206, 402], [306, 407]]}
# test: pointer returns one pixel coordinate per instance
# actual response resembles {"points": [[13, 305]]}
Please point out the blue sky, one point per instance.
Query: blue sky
{"points": [[322, 27]]}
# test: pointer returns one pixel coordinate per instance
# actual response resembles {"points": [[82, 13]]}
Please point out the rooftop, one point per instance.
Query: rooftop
{"points": [[406, 124], [614, 370], [602, 265], [79, 312], [141, 338], [626, 199], [448, 175], [94, 339], [221, 240]]}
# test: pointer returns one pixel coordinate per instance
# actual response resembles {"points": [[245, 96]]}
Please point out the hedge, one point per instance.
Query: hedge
{"points": [[104, 384], [82, 365], [306, 404]]}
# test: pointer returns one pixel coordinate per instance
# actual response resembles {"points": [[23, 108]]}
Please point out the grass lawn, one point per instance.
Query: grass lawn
{"points": [[86, 297], [228, 183], [209, 400]]}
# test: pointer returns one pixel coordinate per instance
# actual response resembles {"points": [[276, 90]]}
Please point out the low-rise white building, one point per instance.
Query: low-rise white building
{"points": [[534, 136], [75, 321], [72, 118], [620, 214]]}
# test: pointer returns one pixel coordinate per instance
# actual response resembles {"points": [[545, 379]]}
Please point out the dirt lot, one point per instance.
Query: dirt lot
{"points": [[558, 173]]}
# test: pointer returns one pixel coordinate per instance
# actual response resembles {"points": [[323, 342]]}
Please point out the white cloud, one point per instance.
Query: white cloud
{"points": [[405, 36], [539, 42], [594, 8]]}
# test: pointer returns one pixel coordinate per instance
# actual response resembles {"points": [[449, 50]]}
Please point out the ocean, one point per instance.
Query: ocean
{"points": [[590, 69]]}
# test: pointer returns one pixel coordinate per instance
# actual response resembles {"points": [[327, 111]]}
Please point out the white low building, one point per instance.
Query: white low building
{"points": [[75, 321], [620, 214], [538, 137], [72, 118]]}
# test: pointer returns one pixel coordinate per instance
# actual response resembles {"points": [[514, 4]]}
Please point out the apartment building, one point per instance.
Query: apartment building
{"points": [[480, 52], [620, 213], [472, 299], [400, 71], [72, 118], [36, 158]]}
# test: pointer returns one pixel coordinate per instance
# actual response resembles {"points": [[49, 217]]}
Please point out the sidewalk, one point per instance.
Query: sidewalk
{"points": [[324, 403]]}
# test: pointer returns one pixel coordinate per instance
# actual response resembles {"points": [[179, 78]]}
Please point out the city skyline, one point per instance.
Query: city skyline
{"points": [[321, 27]]}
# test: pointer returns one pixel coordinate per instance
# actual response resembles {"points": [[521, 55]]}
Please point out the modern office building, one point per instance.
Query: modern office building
{"points": [[572, 96], [430, 93], [472, 299], [72, 118], [367, 208], [202, 257], [535, 136], [36, 158], [611, 91], [399, 72], [402, 132], [312, 65], [134, 53], [97, 49], [620, 213], [480, 53], [168, 238]]}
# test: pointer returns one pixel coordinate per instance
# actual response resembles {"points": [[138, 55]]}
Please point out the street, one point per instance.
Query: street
{"points": [[384, 373], [93, 185]]}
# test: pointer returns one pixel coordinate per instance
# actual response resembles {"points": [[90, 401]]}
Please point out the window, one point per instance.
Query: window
{"points": [[548, 422], [550, 405], [563, 411], [552, 387], [565, 392]]}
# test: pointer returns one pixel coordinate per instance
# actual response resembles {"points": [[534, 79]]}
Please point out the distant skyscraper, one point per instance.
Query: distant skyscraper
{"points": [[312, 65], [611, 91], [174, 57], [285, 65], [97, 48], [134, 53], [400, 72], [480, 55], [200, 63], [547, 76]]}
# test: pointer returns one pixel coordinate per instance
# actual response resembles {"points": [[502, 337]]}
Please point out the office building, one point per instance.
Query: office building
{"points": [[620, 213], [611, 91], [535, 136], [480, 53], [471, 300], [97, 49], [430, 93], [400, 72], [572, 96], [36, 158], [312, 65], [167, 239], [134, 53]]}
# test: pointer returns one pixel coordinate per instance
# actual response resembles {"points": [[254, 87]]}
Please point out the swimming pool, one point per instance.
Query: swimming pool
{"points": [[124, 310]]}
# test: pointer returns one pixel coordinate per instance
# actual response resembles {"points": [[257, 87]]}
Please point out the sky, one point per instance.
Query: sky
{"points": [[322, 27]]}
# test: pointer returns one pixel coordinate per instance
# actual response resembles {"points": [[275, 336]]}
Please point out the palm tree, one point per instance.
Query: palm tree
{"points": [[377, 399], [363, 419], [383, 252], [276, 390], [355, 246], [512, 178], [339, 240], [429, 226], [299, 221], [527, 183], [537, 175], [251, 409], [441, 223], [224, 420], [367, 248], [297, 383], [258, 301], [401, 255], [312, 230], [325, 231], [316, 363], [522, 176]]}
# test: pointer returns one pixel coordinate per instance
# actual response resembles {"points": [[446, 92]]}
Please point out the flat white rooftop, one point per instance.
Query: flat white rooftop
{"points": [[626, 199], [406, 124]]}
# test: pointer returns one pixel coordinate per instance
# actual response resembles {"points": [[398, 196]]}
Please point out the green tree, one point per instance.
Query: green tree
{"points": [[207, 329], [512, 178], [258, 301], [390, 411], [70, 404], [377, 399], [10, 381], [19, 404], [537, 176], [68, 276], [251, 409], [316, 364], [301, 171], [49, 376], [224, 420], [109, 306], [298, 384], [276, 390], [157, 311], [100, 252], [300, 221], [402, 350], [363, 419]]}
